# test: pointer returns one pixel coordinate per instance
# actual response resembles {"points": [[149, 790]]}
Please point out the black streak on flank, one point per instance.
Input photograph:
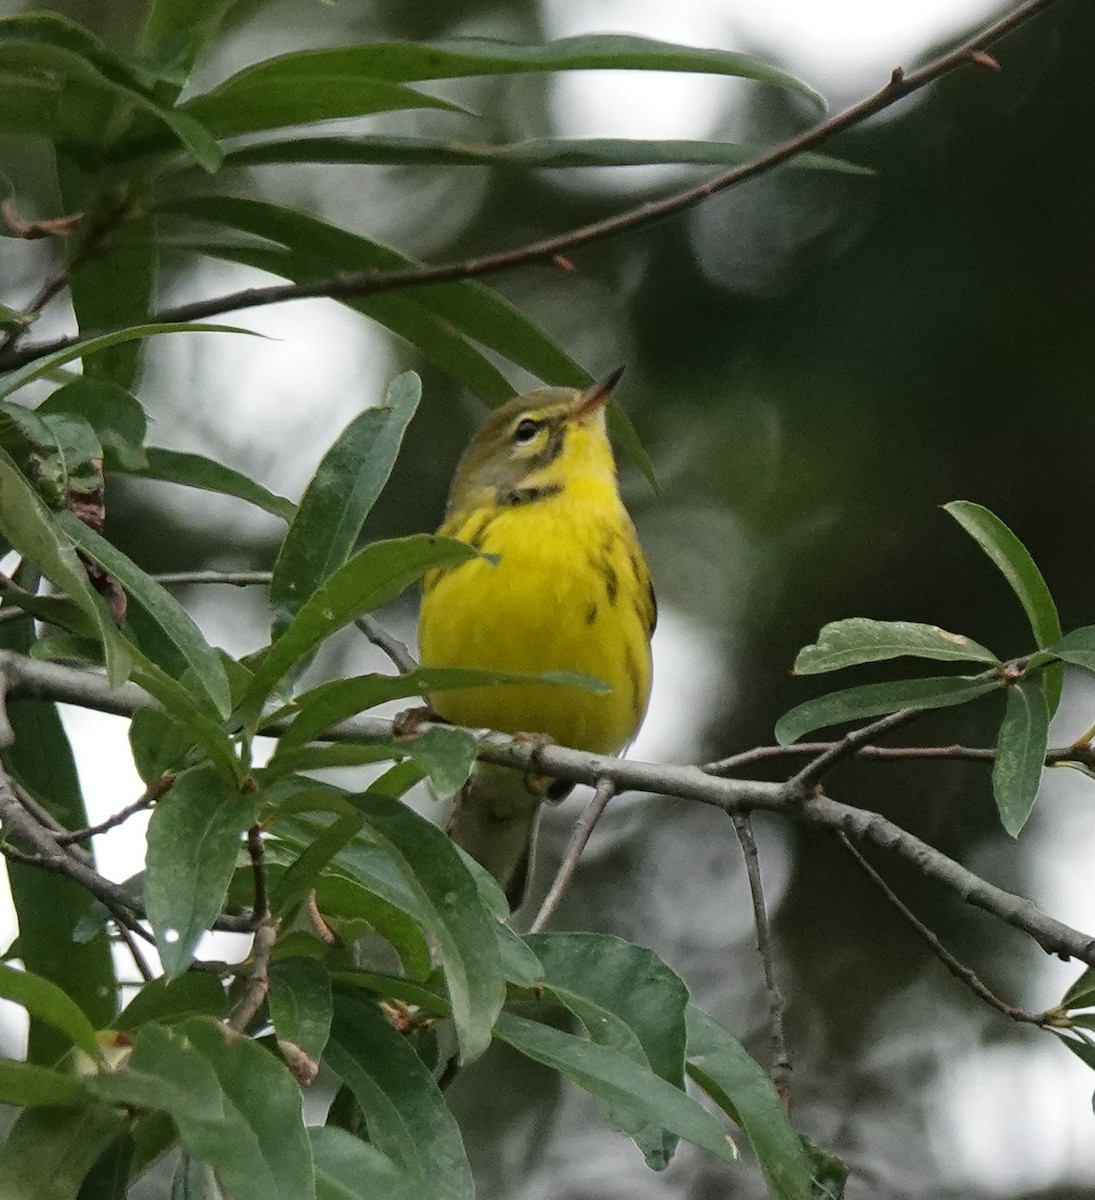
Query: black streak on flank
{"points": [[475, 536], [632, 668], [612, 581], [591, 613], [515, 497]]}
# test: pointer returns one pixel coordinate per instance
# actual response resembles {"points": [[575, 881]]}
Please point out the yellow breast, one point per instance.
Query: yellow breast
{"points": [[570, 592]]}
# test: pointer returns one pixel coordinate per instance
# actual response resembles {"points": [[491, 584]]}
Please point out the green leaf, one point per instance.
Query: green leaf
{"points": [[163, 1000], [251, 101], [295, 884], [47, 1002], [29, 527], [47, 42], [207, 674], [543, 153], [108, 1179], [629, 1000], [1081, 1047], [234, 1104], [446, 754], [406, 1115], [350, 1169], [372, 577], [618, 1081], [300, 1003], [1021, 752], [460, 58], [873, 699], [47, 364], [175, 31], [447, 897], [74, 467], [25, 1084], [1082, 993], [340, 497], [861, 640], [339, 899], [1077, 647], [193, 840], [719, 1064], [197, 471], [49, 1151], [1014, 562], [114, 413]]}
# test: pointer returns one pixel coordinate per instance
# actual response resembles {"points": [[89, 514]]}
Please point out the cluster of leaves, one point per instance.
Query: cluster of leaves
{"points": [[393, 954]]}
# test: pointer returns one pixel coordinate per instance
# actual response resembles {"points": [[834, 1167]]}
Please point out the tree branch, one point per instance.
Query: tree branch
{"points": [[358, 284], [51, 681]]}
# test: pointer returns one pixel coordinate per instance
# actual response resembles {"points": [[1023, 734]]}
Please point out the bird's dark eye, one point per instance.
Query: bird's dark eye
{"points": [[525, 430]]}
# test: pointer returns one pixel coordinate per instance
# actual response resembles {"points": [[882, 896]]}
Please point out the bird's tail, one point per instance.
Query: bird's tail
{"points": [[495, 819]]}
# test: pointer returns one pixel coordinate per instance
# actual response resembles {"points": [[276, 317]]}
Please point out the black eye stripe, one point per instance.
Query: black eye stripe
{"points": [[526, 429]]}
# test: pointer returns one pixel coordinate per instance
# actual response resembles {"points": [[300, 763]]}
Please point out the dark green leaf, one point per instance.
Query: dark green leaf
{"points": [[719, 1064], [175, 31], [197, 471], [339, 899], [372, 577], [49, 1151], [628, 999], [193, 839], [340, 497], [1082, 993], [464, 57], [250, 102], [861, 640], [446, 754], [114, 413], [1077, 647], [873, 699], [194, 1180], [523, 969], [300, 1003], [43, 367], [1081, 1047], [406, 1115], [618, 1081], [29, 527], [47, 1002], [206, 671], [1021, 752], [295, 884], [158, 743], [108, 1179], [549, 153], [192, 994], [24, 1084], [75, 467], [234, 1104], [349, 1169]]}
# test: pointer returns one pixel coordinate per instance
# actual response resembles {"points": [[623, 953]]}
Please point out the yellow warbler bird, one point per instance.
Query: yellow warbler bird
{"points": [[570, 591]]}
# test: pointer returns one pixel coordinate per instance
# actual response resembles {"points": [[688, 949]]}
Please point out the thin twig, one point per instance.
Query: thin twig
{"points": [[139, 960], [958, 969], [358, 284], [847, 746], [233, 578], [151, 795], [583, 830], [781, 1059], [956, 753], [260, 904], [399, 654], [258, 976]]}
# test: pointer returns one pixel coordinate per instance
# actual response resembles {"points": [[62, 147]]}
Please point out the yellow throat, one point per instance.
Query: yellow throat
{"points": [[570, 591]]}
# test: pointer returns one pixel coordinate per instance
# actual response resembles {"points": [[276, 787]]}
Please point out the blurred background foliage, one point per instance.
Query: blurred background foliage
{"points": [[815, 363]]}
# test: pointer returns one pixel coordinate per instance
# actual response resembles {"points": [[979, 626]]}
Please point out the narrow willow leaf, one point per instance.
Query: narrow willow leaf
{"points": [[197, 471], [618, 1081], [251, 102], [25, 1084], [465, 57], [29, 527], [405, 1113], [861, 640], [1015, 563], [47, 1002], [193, 840], [108, 1179], [163, 1000], [44, 367], [174, 31], [874, 699], [234, 1105], [446, 895], [627, 998], [1077, 647], [341, 901], [340, 497], [336, 700], [349, 1169], [371, 578], [1021, 752], [301, 1006], [295, 884], [1082, 993], [113, 412], [719, 1064], [447, 755], [167, 614], [49, 1151], [544, 153]]}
